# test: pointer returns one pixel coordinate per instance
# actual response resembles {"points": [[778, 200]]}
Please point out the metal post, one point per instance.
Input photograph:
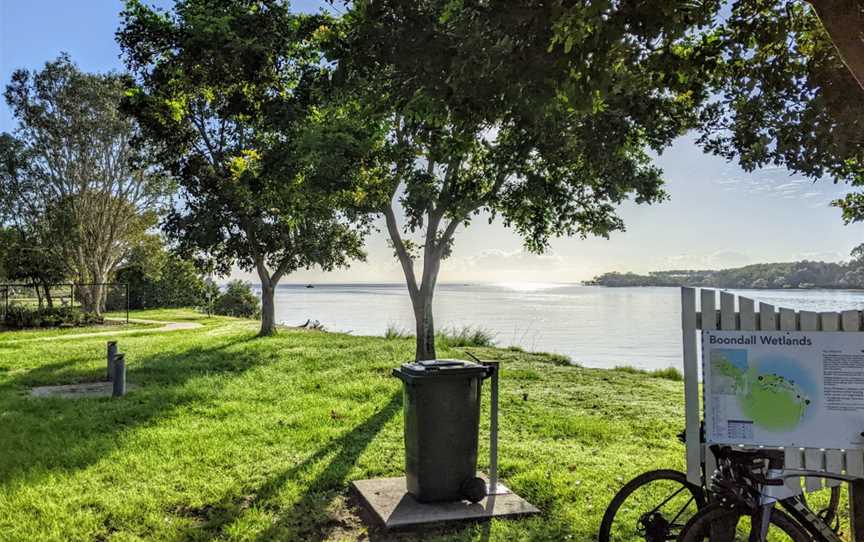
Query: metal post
{"points": [[119, 375], [127, 303], [493, 428], [112, 353]]}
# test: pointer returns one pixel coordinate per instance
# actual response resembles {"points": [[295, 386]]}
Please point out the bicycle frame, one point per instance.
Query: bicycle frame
{"points": [[794, 505]]}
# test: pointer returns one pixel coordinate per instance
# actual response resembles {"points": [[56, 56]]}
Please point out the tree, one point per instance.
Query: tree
{"points": [[844, 20], [25, 247], [540, 113], [157, 278], [237, 300], [72, 174], [783, 96], [232, 96], [26, 257]]}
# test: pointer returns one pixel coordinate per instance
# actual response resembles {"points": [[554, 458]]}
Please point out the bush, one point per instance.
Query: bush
{"points": [[22, 317], [160, 279], [466, 336], [238, 300]]}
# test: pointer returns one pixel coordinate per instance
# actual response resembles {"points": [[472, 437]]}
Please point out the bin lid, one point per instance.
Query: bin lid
{"points": [[444, 367]]}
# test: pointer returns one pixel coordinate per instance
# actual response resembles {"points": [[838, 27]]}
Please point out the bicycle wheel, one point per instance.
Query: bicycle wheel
{"points": [[720, 524], [654, 506]]}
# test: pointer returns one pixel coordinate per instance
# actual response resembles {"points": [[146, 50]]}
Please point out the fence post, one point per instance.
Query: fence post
{"points": [[112, 353], [691, 385], [119, 375]]}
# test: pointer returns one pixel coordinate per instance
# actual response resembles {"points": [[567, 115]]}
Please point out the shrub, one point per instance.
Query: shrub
{"points": [[173, 282], [238, 300], [466, 336], [23, 317]]}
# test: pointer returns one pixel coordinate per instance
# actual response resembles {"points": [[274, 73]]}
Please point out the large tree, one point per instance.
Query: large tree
{"points": [[232, 95], [72, 174], [540, 113]]}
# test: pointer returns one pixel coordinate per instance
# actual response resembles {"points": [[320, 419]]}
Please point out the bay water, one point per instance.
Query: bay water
{"points": [[593, 325]]}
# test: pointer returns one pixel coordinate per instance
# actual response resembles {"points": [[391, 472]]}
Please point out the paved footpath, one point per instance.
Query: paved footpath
{"points": [[168, 326]]}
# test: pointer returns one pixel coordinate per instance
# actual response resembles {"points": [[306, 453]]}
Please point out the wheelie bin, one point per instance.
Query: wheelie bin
{"points": [[442, 417]]}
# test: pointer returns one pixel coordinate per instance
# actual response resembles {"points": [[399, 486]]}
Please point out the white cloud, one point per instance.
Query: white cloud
{"points": [[719, 259], [823, 256]]}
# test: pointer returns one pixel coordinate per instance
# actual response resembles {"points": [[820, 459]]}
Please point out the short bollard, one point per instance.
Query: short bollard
{"points": [[119, 375], [112, 351]]}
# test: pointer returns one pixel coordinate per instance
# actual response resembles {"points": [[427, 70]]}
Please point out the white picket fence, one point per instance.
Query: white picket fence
{"points": [[741, 313]]}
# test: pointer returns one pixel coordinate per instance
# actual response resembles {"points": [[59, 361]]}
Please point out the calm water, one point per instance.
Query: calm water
{"points": [[595, 326]]}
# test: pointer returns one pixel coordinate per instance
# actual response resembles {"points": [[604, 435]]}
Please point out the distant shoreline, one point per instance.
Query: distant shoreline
{"points": [[801, 275], [766, 289]]}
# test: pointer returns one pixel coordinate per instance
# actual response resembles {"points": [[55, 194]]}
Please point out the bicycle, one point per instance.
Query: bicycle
{"points": [[747, 487], [668, 502]]}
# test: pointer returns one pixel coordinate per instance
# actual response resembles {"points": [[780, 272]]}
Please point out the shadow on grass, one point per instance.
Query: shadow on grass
{"points": [[308, 518], [43, 435]]}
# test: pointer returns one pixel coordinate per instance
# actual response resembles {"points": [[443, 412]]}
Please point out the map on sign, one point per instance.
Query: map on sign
{"points": [[784, 388]]}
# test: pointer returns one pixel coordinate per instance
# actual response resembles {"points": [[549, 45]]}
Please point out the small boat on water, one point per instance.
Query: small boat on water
{"points": [[309, 286]]}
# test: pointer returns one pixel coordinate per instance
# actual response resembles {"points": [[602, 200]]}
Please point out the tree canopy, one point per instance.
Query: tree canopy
{"points": [[70, 173], [232, 95], [540, 113], [783, 96]]}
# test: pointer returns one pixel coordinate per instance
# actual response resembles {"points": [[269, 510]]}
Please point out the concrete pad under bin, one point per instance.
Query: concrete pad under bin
{"points": [[388, 500], [73, 391]]}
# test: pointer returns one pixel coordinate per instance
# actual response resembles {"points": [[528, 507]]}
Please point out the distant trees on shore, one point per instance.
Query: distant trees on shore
{"points": [[802, 274]]}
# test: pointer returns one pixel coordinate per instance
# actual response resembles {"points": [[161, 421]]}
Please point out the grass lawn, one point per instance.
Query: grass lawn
{"points": [[51, 333], [233, 437]]}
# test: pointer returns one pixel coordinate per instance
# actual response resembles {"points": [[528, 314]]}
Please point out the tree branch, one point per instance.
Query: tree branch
{"points": [[404, 257]]}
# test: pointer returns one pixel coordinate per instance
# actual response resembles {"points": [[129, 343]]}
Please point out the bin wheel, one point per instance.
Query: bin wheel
{"points": [[474, 489]]}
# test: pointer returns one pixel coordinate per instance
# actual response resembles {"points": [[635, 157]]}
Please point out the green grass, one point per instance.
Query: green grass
{"points": [[453, 337], [394, 331], [233, 437], [42, 333], [670, 373]]}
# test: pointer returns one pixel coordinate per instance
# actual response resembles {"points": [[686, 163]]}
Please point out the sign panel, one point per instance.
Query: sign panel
{"points": [[784, 388]]}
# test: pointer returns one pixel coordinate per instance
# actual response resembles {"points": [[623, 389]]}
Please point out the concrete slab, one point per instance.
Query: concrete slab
{"points": [[72, 391], [390, 503]]}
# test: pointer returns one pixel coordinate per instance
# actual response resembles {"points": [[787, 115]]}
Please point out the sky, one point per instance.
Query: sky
{"points": [[718, 215]]}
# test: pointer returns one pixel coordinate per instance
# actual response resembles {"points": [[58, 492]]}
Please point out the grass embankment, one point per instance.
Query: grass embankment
{"points": [[233, 437]]}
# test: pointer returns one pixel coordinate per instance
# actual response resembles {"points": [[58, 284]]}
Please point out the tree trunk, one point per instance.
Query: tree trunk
{"points": [[422, 302], [92, 300], [49, 301], [268, 309], [96, 299], [844, 22], [103, 299]]}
